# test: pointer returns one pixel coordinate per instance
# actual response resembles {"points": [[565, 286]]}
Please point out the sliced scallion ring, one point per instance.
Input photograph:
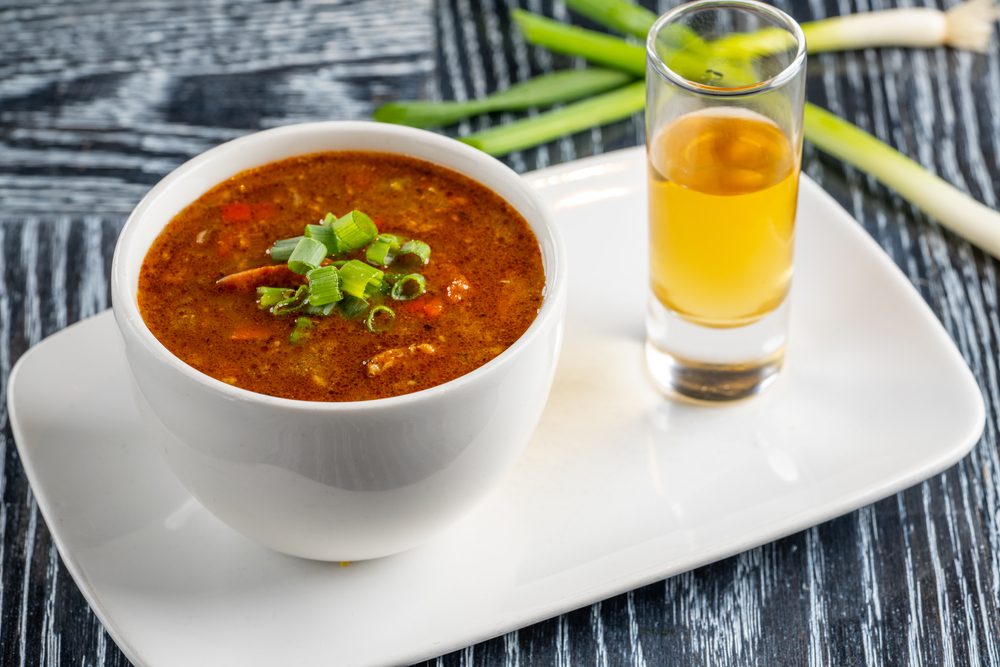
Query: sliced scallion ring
{"points": [[268, 296], [354, 231], [282, 249], [383, 314], [324, 234], [418, 248], [382, 250], [293, 303], [409, 287], [356, 277], [307, 255], [324, 286]]}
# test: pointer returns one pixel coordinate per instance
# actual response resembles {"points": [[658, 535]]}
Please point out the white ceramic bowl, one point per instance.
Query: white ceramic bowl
{"points": [[349, 480]]}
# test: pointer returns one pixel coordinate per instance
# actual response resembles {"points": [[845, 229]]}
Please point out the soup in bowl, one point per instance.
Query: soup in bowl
{"points": [[342, 333]]}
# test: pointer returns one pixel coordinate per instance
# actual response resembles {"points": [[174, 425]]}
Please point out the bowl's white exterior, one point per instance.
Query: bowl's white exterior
{"points": [[339, 481]]}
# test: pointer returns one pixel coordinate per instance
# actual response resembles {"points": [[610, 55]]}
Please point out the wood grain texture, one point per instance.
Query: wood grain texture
{"points": [[99, 100]]}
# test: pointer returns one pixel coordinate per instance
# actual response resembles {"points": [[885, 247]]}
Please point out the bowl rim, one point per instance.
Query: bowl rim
{"points": [[125, 303]]}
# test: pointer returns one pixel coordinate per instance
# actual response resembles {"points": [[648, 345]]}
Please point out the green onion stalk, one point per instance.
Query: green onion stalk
{"points": [[953, 208], [966, 26]]}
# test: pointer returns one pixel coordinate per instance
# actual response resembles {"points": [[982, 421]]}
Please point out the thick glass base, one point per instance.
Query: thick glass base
{"points": [[713, 364]]}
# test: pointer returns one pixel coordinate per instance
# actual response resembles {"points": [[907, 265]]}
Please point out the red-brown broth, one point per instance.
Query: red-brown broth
{"points": [[476, 237]]}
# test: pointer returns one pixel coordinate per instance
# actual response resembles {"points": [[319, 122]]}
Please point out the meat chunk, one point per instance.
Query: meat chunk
{"points": [[386, 359], [458, 288], [274, 275]]}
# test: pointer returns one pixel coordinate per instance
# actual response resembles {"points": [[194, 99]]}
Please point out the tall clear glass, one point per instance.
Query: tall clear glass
{"points": [[725, 82]]}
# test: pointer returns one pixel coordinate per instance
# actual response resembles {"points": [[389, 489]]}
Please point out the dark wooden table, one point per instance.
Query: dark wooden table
{"points": [[99, 100]]}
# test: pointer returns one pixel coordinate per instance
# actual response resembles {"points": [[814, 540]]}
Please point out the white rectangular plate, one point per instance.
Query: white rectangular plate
{"points": [[618, 488]]}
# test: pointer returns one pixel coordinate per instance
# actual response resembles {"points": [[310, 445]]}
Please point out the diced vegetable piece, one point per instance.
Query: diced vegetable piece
{"points": [[308, 255], [324, 286], [383, 250], [324, 234], [409, 287], [292, 304], [380, 319], [268, 296], [281, 250], [354, 231], [249, 332], [356, 277], [237, 212], [417, 248]]}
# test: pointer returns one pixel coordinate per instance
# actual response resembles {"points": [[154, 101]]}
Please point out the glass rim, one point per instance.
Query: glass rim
{"points": [[782, 19]]}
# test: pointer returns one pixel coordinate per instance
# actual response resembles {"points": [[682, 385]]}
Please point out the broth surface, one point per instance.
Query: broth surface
{"points": [[477, 240]]}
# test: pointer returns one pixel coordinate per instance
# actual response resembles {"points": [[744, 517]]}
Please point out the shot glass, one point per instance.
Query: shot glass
{"points": [[725, 83]]}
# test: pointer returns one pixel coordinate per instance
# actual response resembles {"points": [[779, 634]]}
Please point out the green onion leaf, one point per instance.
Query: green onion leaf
{"points": [[380, 319], [383, 250], [268, 296], [324, 286], [328, 219], [324, 234], [418, 248], [544, 90], [292, 304], [356, 277], [301, 330], [308, 254], [282, 249], [409, 287], [354, 231], [351, 307]]}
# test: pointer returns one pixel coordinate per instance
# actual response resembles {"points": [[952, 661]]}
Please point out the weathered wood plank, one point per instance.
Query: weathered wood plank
{"points": [[98, 100]]}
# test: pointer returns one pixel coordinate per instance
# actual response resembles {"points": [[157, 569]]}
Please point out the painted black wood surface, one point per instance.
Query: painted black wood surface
{"points": [[98, 100]]}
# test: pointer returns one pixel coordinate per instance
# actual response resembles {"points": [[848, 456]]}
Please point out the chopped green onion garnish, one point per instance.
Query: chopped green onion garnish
{"points": [[320, 310], [383, 250], [324, 286], [380, 319], [409, 287], [328, 219], [324, 234], [308, 254], [282, 249], [354, 231], [268, 296], [293, 303], [301, 330], [351, 307], [356, 277], [418, 248]]}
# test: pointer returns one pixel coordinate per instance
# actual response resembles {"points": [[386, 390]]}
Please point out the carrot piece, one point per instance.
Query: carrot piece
{"points": [[237, 212], [250, 332], [433, 307], [275, 275], [424, 306]]}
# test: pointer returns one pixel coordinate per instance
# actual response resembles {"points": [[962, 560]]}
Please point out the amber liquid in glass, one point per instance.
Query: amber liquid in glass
{"points": [[722, 192]]}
